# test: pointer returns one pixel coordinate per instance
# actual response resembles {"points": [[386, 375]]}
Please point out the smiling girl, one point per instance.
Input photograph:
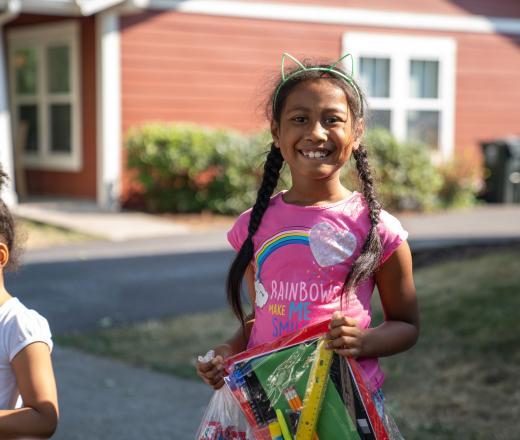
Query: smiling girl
{"points": [[318, 249]]}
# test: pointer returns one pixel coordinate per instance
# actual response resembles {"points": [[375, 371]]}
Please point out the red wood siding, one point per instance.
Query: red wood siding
{"points": [[207, 70], [214, 71], [488, 88], [80, 184], [502, 8]]}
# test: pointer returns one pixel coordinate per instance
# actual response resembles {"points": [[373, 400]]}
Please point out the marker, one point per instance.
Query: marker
{"points": [[275, 431], [244, 397], [283, 425]]}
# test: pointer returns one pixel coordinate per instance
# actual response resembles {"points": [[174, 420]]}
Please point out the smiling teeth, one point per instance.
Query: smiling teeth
{"points": [[315, 154]]}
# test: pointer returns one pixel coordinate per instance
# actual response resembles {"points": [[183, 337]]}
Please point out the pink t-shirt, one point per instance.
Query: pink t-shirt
{"points": [[302, 255]]}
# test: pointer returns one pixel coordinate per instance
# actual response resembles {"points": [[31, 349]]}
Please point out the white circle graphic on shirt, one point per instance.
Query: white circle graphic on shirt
{"points": [[331, 246], [261, 294]]}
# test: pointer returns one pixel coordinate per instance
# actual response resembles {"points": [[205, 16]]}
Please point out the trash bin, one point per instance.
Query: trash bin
{"points": [[502, 176]]}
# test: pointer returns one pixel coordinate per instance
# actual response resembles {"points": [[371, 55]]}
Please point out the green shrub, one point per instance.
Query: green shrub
{"points": [[462, 181], [406, 178], [187, 168]]}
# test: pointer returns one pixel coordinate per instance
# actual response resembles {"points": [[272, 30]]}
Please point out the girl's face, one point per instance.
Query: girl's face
{"points": [[315, 133]]}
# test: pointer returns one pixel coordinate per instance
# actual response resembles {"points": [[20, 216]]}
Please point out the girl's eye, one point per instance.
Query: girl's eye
{"points": [[299, 119], [332, 120]]}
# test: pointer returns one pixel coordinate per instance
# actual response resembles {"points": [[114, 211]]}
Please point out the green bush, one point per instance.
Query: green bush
{"points": [[406, 178], [187, 168], [462, 181]]}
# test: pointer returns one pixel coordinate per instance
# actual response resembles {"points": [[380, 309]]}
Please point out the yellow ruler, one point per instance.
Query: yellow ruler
{"points": [[315, 392]]}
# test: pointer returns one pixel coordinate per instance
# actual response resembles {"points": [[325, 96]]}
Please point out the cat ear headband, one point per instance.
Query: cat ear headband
{"points": [[330, 69]]}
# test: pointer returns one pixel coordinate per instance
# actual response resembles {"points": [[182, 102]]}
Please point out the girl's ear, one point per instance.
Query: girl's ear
{"points": [[4, 255], [359, 131], [275, 133]]}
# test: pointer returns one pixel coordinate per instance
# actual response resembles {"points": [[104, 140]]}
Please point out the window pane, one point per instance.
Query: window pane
{"points": [[61, 128], [28, 115], [380, 118], [424, 79], [423, 126], [374, 76], [58, 69], [26, 71]]}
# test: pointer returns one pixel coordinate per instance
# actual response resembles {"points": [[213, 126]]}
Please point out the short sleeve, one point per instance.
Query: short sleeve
{"points": [[391, 232], [24, 328], [238, 232]]}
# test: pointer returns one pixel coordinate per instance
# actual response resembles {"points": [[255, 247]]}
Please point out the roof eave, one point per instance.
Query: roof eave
{"points": [[77, 8]]}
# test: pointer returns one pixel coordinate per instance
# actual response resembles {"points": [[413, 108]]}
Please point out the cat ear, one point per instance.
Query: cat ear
{"points": [[288, 55], [345, 57]]}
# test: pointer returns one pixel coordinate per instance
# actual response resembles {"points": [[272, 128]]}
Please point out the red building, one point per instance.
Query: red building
{"points": [[81, 73]]}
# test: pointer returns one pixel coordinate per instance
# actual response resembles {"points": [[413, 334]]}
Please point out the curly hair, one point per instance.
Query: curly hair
{"points": [[8, 230]]}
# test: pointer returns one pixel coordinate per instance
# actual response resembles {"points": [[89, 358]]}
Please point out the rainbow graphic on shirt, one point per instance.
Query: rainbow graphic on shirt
{"points": [[285, 238], [298, 292]]}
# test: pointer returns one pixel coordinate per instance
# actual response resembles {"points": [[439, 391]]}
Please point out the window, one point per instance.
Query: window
{"points": [[424, 79], [374, 74], [410, 85], [44, 86]]}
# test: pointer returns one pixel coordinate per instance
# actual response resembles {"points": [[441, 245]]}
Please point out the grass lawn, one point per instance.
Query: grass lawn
{"points": [[39, 235], [460, 382]]}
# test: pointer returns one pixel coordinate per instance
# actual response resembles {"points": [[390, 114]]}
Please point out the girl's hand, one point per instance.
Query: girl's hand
{"points": [[212, 372], [346, 337]]}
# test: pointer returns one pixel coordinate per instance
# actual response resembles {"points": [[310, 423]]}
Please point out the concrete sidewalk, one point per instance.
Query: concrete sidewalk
{"points": [[88, 218], [482, 223], [102, 399]]}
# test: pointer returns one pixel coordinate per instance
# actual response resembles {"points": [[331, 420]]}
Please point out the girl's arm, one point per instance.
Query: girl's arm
{"points": [[32, 367], [211, 372], [400, 329]]}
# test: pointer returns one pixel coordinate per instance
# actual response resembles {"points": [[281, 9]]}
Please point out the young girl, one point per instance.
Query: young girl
{"points": [[318, 249], [28, 398]]}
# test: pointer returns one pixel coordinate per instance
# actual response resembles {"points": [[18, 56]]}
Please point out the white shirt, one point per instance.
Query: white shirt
{"points": [[19, 327]]}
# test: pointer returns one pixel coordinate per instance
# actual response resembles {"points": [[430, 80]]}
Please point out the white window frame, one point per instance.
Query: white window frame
{"points": [[400, 49], [41, 37]]}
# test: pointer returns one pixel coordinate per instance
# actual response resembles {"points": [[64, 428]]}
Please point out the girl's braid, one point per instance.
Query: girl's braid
{"points": [[368, 261], [272, 167]]}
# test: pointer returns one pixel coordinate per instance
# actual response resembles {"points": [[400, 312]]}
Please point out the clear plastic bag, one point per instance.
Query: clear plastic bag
{"points": [[295, 388], [224, 419]]}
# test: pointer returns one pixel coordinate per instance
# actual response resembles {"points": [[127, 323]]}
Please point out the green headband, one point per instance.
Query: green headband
{"points": [[330, 69]]}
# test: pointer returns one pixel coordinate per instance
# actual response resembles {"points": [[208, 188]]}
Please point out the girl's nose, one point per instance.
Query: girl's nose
{"points": [[317, 133]]}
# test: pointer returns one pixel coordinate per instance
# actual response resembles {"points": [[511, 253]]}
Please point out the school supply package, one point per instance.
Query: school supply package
{"points": [[294, 388], [224, 419]]}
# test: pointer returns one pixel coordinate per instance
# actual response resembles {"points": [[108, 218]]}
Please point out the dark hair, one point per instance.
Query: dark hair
{"points": [[368, 261], [7, 227]]}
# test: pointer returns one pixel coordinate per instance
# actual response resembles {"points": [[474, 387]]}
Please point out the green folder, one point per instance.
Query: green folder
{"points": [[291, 367]]}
